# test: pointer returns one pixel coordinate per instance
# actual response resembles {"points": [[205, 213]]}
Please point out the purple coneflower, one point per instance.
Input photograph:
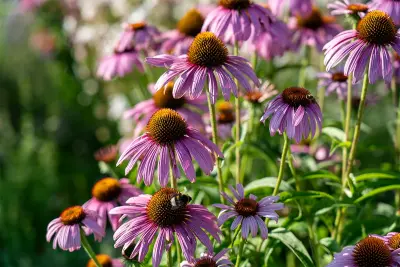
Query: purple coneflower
{"points": [[225, 119], [177, 41], [139, 35], [371, 251], [248, 212], [258, 95], [396, 66], [119, 64], [66, 228], [345, 7], [313, 29], [162, 215], [296, 6], [105, 261], [238, 20], [207, 57], [188, 108], [392, 240], [333, 81], [109, 193], [209, 259], [106, 154], [167, 135], [296, 111], [370, 40], [391, 7]]}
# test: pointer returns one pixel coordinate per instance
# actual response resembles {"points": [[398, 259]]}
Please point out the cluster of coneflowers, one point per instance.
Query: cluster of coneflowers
{"points": [[173, 128]]}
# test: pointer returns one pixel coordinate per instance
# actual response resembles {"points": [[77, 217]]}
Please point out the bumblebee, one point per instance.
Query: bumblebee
{"points": [[311, 98], [179, 200]]}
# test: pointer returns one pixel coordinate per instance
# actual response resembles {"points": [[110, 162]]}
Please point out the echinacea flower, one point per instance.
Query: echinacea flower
{"points": [[168, 136], [238, 20], [161, 216], [391, 7], [109, 193], [396, 66], [392, 239], [30, 5], [258, 95], [225, 120], [368, 43], [371, 251], [345, 7], [333, 81], [296, 7], [313, 29], [189, 109], [119, 64], [296, 111], [177, 41], [105, 261], [66, 228], [207, 57], [106, 154], [209, 259], [248, 212], [139, 35]]}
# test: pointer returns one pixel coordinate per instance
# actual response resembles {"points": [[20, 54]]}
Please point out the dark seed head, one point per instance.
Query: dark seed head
{"points": [[207, 50], [372, 251], [377, 28]]}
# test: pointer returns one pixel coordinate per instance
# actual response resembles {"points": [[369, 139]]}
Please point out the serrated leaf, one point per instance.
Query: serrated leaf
{"points": [[266, 182], [377, 191], [294, 244]]}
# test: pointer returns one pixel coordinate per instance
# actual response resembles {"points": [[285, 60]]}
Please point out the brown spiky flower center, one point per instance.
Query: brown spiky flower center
{"points": [[137, 26], [297, 96], [377, 28], [235, 4], [246, 207], [106, 154], [166, 126], [163, 98], [207, 50], [72, 215], [103, 259], [160, 209], [394, 241], [313, 21], [357, 8], [225, 112], [339, 77], [107, 189], [206, 262], [371, 251], [191, 23]]}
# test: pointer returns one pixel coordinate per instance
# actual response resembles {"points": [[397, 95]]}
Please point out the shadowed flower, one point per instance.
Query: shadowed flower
{"points": [[66, 228], [369, 42], [333, 82], [238, 20], [139, 35], [248, 212], [371, 251], [259, 95], [177, 41], [105, 261], [314, 29], [345, 7], [189, 109], [167, 135], [391, 7], [207, 57], [209, 259], [106, 154], [296, 111], [161, 216], [119, 64], [109, 193]]}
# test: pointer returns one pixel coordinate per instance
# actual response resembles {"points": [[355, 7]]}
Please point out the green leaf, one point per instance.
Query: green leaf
{"points": [[377, 175], [266, 182], [330, 243], [321, 175], [289, 196], [328, 209], [377, 191], [294, 244], [334, 133]]}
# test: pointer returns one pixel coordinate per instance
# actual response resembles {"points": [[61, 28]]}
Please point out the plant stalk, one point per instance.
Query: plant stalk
{"points": [[237, 121], [88, 248]]}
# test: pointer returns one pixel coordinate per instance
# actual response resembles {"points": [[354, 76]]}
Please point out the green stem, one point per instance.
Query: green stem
{"points": [[346, 123], [282, 164], [304, 64], [174, 183], [88, 248], [239, 255], [250, 123], [235, 236], [237, 121], [169, 258], [314, 244], [213, 121], [293, 170]]}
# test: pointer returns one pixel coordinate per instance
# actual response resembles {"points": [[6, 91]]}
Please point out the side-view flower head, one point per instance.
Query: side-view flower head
{"points": [[139, 35], [105, 261]]}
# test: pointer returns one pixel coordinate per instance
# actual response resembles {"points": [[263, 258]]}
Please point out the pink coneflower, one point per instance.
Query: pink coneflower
{"points": [[296, 7], [392, 240], [207, 57], [167, 136], [313, 29], [238, 20], [209, 259], [109, 193], [106, 154], [139, 35], [391, 7], [248, 212], [371, 251], [296, 111], [189, 109], [225, 120], [30, 5], [258, 95], [66, 228], [370, 40], [345, 7], [119, 64], [162, 215], [178, 41], [105, 261], [396, 66], [333, 81]]}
